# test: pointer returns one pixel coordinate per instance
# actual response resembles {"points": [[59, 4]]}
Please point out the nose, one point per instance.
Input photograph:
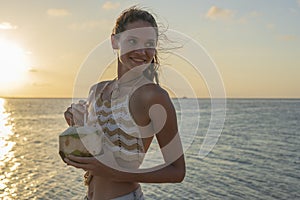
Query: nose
{"points": [[141, 51]]}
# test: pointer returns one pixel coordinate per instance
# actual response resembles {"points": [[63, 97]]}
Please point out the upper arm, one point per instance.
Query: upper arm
{"points": [[161, 115], [164, 121]]}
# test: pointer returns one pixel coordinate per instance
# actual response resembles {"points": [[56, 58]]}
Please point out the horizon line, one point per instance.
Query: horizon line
{"points": [[183, 97]]}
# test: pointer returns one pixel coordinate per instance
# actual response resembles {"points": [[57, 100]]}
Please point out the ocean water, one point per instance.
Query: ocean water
{"points": [[257, 155]]}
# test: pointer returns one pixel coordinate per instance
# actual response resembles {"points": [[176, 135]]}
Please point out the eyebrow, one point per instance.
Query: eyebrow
{"points": [[131, 36]]}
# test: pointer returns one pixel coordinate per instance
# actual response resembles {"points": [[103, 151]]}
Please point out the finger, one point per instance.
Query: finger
{"points": [[78, 118], [78, 107], [69, 109], [84, 160], [67, 114], [78, 121], [69, 118], [71, 122], [82, 102], [78, 165]]}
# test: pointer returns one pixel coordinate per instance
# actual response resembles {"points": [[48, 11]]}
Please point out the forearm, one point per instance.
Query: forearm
{"points": [[172, 173]]}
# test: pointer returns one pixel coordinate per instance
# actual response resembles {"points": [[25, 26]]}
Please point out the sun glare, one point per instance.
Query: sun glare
{"points": [[13, 63]]}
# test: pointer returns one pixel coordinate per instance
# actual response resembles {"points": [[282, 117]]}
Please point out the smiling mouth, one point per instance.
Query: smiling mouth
{"points": [[138, 60]]}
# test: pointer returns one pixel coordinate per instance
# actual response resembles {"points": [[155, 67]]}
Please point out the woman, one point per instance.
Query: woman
{"points": [[131, 110]]}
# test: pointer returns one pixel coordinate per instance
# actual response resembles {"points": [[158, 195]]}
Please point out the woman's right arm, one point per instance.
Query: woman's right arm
{"points": [[74, 115]]}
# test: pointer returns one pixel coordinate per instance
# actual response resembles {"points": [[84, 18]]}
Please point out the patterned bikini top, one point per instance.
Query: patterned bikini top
{"points": [[121, 133]]}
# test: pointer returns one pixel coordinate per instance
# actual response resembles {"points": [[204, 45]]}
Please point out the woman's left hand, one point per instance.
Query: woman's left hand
{"points": [[103, 165], [91, 164]]}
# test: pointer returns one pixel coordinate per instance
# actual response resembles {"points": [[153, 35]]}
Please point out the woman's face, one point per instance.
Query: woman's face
{"points": [[137, 45]]}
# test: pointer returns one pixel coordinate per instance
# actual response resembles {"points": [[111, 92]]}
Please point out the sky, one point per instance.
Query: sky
{"points": [[254, 45]]}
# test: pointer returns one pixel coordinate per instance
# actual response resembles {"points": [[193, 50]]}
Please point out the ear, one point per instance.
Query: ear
{"points": [[114, 41]]}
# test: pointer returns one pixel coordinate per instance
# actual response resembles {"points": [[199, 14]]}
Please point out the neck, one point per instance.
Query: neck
{"points": [[125, 74]]}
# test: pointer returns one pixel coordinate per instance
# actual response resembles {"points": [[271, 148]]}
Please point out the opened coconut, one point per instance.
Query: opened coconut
{"points": [[85, 141]]}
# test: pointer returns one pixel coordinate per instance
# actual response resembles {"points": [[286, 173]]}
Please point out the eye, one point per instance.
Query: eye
{"points": [[132, 41], [150, 44]]}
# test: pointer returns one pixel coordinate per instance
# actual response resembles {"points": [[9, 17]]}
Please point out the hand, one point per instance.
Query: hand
{"points": [[69, 116], [103, 165], [91, 164], [74, 115]]}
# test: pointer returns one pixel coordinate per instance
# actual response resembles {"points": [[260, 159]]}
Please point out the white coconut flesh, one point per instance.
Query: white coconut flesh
{"points": [[80, 141]]}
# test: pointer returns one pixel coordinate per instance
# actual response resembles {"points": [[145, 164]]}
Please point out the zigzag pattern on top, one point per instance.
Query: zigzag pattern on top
{"points": [[132, 131], [119, 145], [119, 117], [123, 138], [118, 126], [124, 154]]}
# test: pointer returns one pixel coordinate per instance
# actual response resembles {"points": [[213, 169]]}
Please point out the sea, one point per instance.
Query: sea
{"points": [[255, 153]]}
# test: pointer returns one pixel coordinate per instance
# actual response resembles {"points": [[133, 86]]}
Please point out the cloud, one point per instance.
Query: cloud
{"points": [[108, 5], [88, 25], [58, 12], [298, 2], [255, 14], [248, 17], [216, 13], [271, 26], [32, 70], [7, 26], [287, 37]]}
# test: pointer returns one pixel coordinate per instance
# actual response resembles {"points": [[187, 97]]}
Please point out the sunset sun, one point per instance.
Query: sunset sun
{"points": [[13, 63]]}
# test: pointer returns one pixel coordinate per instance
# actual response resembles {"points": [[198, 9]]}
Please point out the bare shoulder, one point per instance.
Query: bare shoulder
{"points": [[153, 94]]}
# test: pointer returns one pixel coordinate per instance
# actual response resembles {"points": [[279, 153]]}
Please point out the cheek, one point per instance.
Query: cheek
{"points": [[123, 57], [150, 53], [125, 51]]}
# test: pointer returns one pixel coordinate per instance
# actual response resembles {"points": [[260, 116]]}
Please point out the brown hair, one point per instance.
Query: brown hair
{"points": [[134, 14]]}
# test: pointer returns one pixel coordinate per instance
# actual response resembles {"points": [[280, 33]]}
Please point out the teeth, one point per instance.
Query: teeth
{"points": [[138, 59]]}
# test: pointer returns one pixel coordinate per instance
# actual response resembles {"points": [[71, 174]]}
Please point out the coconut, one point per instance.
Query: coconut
{"points": [[84, 141]]}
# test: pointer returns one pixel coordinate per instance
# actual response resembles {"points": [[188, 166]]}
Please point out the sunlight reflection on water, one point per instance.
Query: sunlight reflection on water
{"points": [[6, 153]]}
